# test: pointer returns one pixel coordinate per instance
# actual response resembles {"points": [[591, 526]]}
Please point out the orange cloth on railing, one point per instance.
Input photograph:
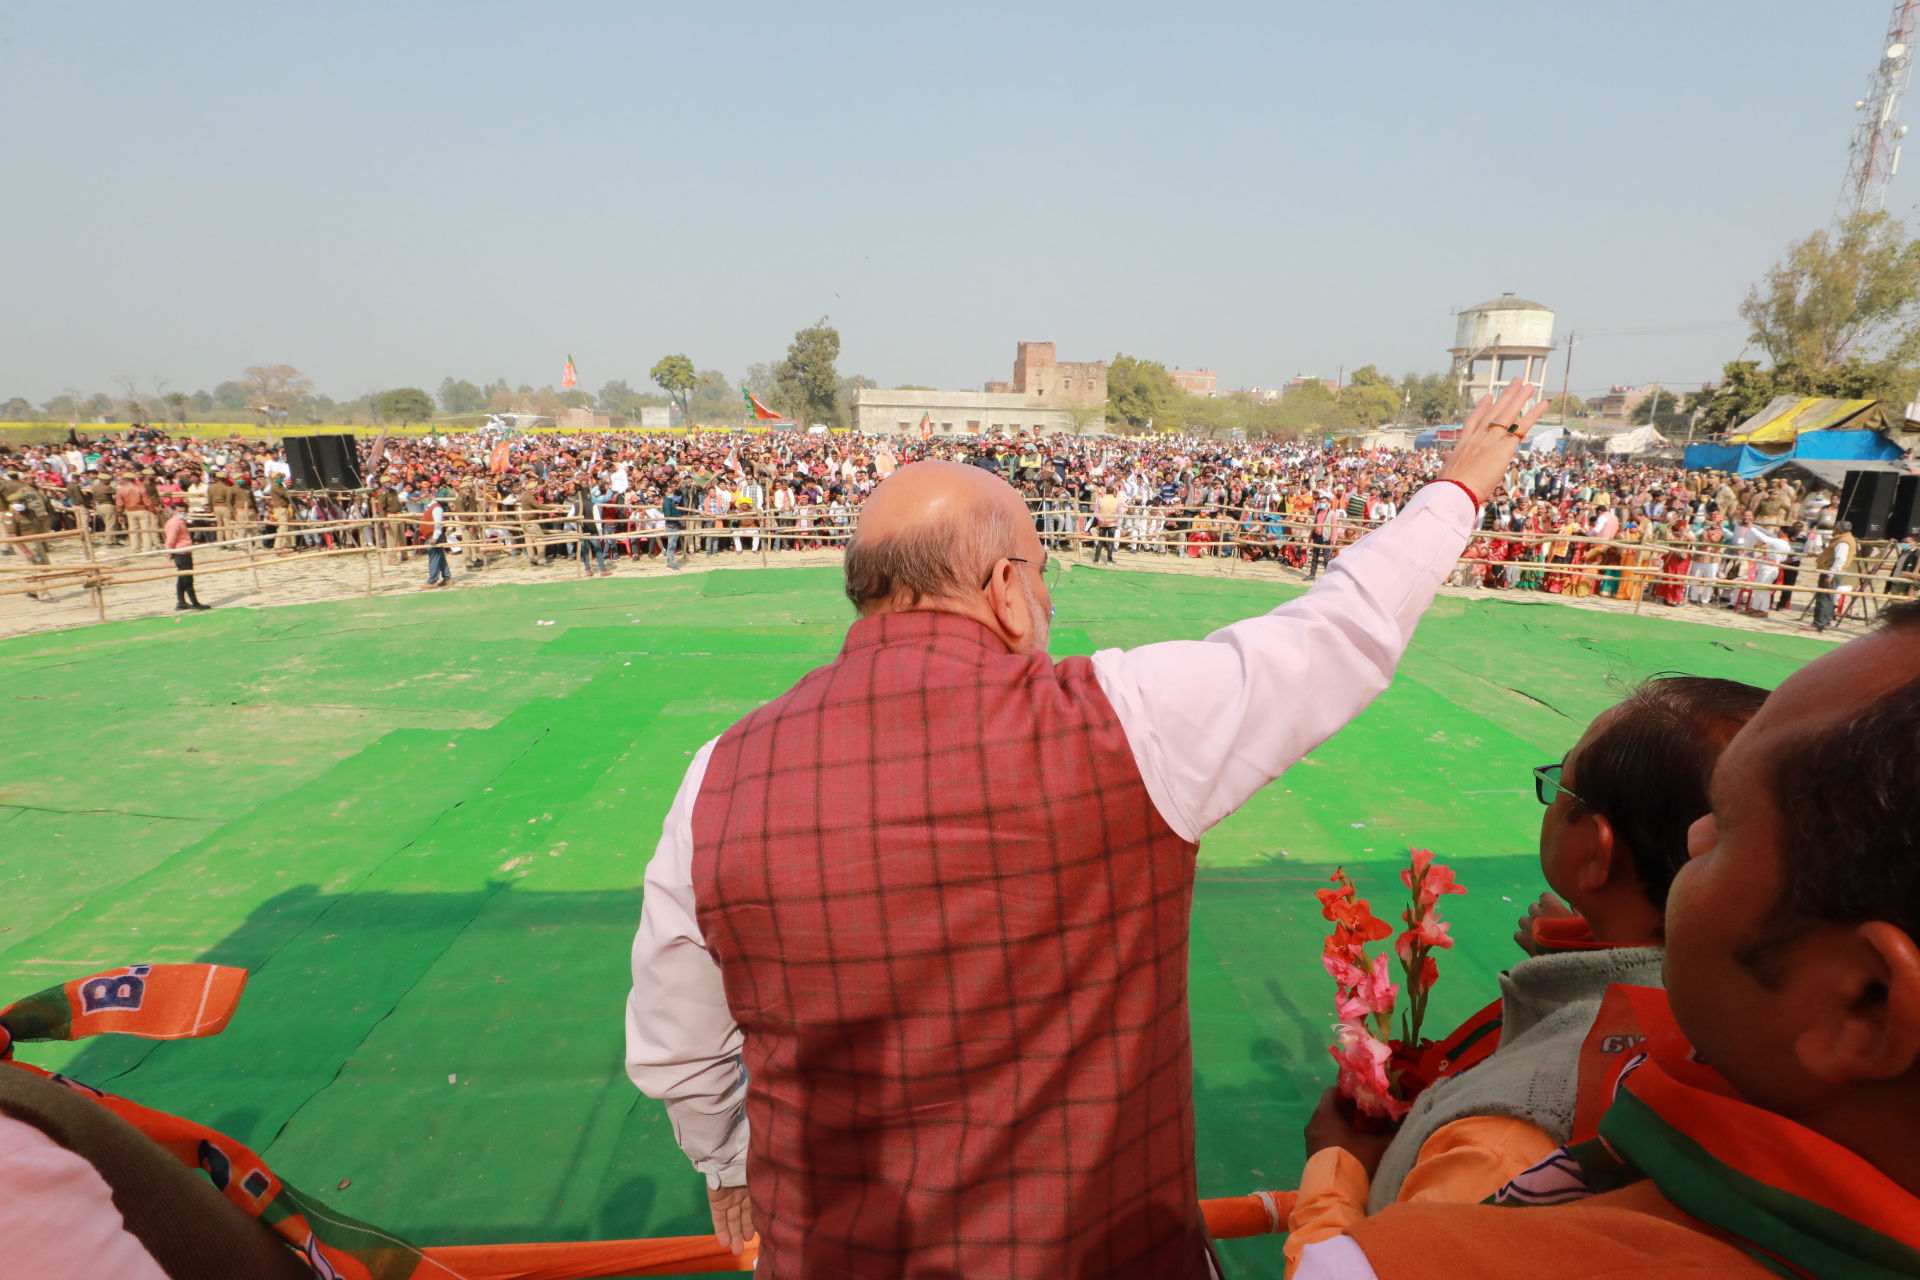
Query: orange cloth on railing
{"points": [[1262, 1213], [587, 1259]]}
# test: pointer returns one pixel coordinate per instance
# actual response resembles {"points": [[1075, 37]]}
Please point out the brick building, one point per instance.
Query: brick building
{"points": [[1620, 402], [1046, 395], [1045, 380], [1197, 382]]}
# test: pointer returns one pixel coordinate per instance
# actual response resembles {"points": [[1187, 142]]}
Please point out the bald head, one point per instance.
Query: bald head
{"points": [[935, 529]]}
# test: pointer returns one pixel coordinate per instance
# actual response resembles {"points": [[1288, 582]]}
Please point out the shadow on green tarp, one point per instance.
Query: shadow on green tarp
{"points": [[336, 1065], [422, 825], [360, 1007]]}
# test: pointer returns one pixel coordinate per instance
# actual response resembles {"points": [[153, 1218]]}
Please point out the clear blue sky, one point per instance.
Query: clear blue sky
{"points": [[386, 194]]}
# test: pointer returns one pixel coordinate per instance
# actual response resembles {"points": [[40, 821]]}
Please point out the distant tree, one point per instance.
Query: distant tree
{"points": [[1370, 397], [1852, 295], [1431, 397], [614, 397], [716, 401], [908, 386], [1663, 409], [760, 379], [275, 390], [404, 405], [176, 402], [575, 398], [17, 410], [461, 397], [1311, 409], [676, 376], [1079, 416], [202, 404], [230, 396], [1140, 392], [1745, 388], [1566, 407], [135, 403], [806, 382]]}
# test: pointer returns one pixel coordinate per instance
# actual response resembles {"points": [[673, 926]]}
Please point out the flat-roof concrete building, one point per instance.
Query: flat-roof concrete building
{"points": [[1045, 396], [961, 413]]}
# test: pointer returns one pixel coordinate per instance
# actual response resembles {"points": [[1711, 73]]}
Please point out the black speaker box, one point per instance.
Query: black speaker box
{"points": [[339, 461], [303, 473], [1904, 518], [323, 462], [1866, 501]]}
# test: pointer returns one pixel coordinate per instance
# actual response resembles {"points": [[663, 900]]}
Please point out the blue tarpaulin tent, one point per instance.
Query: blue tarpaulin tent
{"points": [[1803, 427], [1745, 460]]}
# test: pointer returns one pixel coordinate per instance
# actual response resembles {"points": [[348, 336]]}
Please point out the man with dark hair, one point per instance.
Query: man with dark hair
{"points": [[1832, 562], [912, 959], [1782, 1137]]}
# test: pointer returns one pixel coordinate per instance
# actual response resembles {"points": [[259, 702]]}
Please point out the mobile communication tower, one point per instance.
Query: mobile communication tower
{"points": [[1874, 157]]}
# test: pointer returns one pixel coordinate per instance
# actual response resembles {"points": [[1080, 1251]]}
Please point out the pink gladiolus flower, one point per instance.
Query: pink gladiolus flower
{"points": [[1429, 882], [1363, 1071], [1428, 931], [1369, 988]]}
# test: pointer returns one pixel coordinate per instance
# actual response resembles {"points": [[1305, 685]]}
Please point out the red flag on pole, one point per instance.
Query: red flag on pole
{"points": [[568, 378]]}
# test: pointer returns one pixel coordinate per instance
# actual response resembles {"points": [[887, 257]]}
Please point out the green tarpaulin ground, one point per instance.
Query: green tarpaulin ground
{"points": [[422, 824]]}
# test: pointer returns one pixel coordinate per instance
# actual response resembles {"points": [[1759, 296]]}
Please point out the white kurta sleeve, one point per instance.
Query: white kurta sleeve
{"points": [[57, 1216], [1212, 721], [683, 1046]]}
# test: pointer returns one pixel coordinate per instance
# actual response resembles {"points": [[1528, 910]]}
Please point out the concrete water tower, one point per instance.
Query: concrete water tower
{"points": [[1498, 341]]}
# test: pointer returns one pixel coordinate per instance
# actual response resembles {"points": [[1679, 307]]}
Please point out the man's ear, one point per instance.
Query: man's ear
{"points": [[1587, 853], [1005, 603], [1867, 1020]]}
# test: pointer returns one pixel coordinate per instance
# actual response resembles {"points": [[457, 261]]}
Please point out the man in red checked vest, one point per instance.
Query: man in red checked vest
{"points": [[1775, 1131], [911, 974]]}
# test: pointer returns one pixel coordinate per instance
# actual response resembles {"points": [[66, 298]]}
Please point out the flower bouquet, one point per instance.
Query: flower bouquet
{"points": [[1381, 1075]]}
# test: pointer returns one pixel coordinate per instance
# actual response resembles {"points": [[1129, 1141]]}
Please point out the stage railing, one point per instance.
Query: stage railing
{"points": [[1235, 534]]}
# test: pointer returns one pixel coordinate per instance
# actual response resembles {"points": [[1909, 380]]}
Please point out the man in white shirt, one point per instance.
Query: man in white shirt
{"points": [[1768, 553], [912, 959]]}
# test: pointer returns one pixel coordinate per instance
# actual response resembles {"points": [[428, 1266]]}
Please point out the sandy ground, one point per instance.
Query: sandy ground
{"points": [[301, 579]]}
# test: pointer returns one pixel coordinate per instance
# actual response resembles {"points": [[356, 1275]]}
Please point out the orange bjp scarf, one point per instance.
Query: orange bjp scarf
{"points": [[1797, 1203]]}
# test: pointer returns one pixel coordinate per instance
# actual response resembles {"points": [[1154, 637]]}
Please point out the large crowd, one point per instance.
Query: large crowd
{"points": [[1575, 525], [912, 969]]}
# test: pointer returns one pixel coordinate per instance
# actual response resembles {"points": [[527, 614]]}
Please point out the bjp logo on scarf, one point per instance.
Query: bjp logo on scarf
{"points": [[119, 991]]}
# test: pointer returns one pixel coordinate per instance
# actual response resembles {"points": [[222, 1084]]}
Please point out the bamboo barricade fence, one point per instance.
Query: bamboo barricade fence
{"points": [[1059, 522]]}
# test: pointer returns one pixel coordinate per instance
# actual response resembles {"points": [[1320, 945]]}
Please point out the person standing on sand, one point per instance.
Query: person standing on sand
{"points": [[178, 536]]}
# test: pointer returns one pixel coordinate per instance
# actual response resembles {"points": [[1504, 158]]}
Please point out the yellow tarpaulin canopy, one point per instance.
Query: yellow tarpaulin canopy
{"points": [[1789, 417]]}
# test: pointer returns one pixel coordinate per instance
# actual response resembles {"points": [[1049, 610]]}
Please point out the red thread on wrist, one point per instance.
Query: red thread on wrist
{"points": [[1471, 495]]}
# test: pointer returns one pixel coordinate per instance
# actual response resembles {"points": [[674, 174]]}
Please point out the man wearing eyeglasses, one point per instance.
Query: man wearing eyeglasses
{"points": [[912, 963]]}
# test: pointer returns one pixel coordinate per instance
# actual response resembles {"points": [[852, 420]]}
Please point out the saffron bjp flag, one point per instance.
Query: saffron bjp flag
{"points": [[500, 459], [760, 411], [568, 378], [926, 424], [153, 1001]]}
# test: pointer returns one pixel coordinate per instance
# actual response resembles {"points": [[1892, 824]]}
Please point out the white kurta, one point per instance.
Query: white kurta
{"points": [[1210, 722]]}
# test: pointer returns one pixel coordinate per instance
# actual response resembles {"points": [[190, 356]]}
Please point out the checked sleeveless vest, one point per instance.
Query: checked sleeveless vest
{"points": [[953, 928]]}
